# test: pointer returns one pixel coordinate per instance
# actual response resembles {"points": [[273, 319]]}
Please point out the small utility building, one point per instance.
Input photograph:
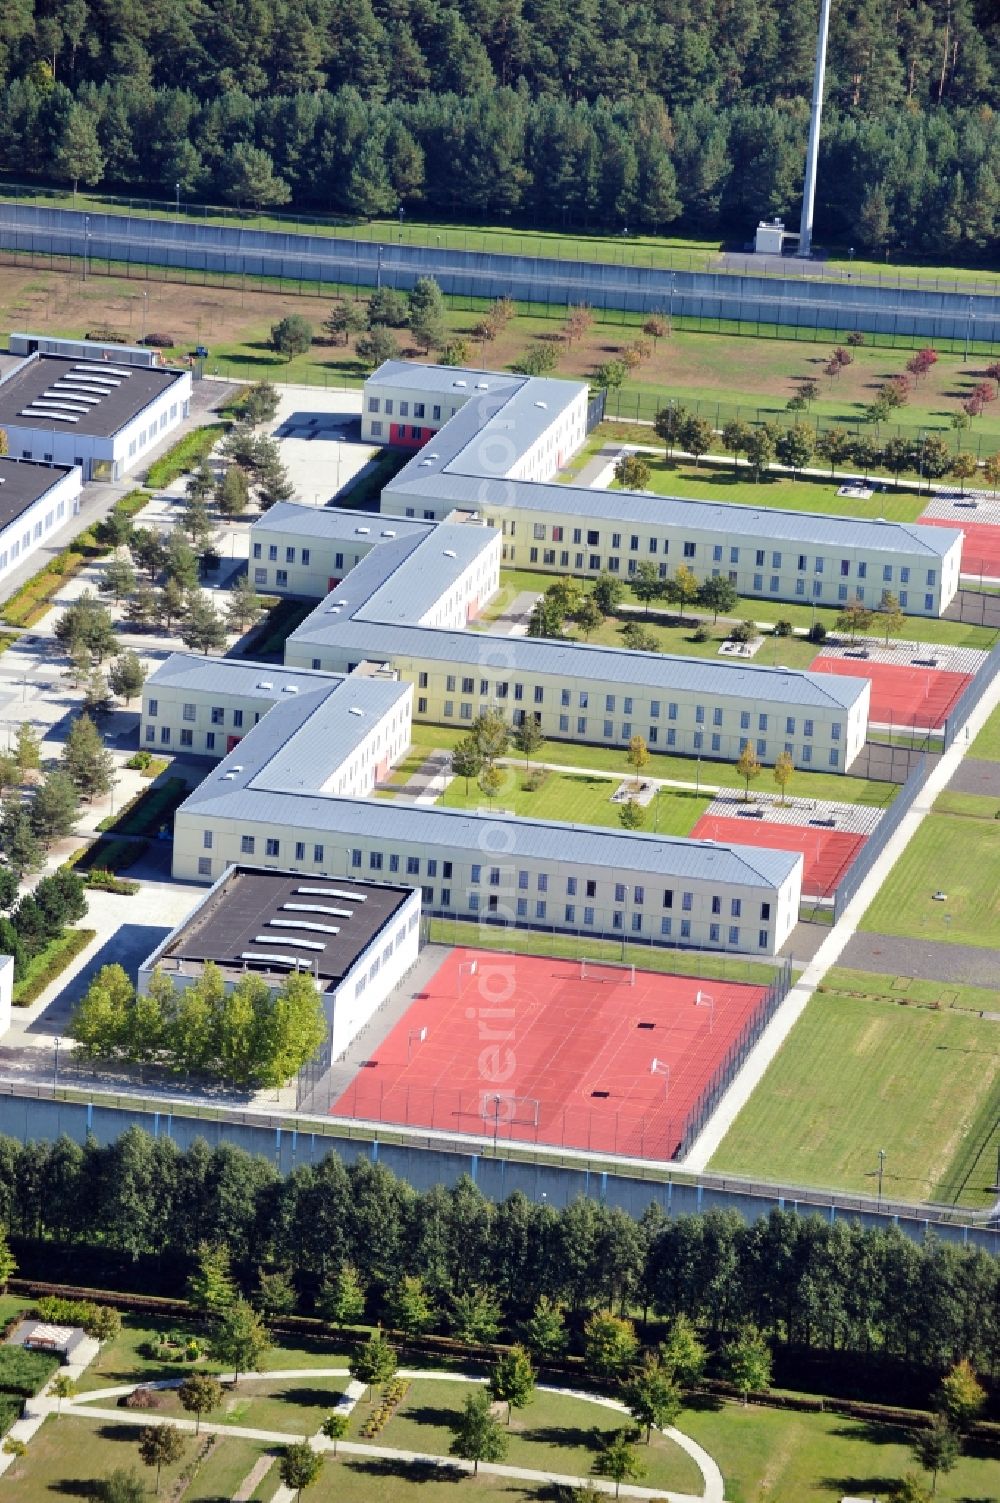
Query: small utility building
{"points": [[356, 938]]}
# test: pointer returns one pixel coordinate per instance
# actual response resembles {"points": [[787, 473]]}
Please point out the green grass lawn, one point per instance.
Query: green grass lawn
{"points": [[857, 1074], [987, 743], [954, 854], [942, 994], [770, 1454], [581, 946], [970, 805], [583, 799], [553, 1433], [778, 492], [119, 1361], [70, 1456], [296, 1405]]}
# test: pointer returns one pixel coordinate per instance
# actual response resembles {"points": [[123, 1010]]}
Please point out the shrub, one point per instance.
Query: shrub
{"points": [[161, 341], [139, 761], [782, 628], [701, 633], [817, 632], [143, 1398], [44, 968], [104, 881]]}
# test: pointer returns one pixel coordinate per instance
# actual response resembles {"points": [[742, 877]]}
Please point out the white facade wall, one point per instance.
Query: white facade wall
{"points": [[210, 723], [106, 457], [34, 527], [412, 406], [466, 881], [556, 445], [807, 573], [374, 975], [602, 708]]}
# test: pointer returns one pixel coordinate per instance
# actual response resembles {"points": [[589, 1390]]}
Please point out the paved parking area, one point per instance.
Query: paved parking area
{"points": [[319, 433]]}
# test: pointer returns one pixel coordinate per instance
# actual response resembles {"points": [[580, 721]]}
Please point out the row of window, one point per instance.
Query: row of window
{"points": [[630, 914], [592, 538], [32, 534], [190, 712], [273, 550], [389, 405]]}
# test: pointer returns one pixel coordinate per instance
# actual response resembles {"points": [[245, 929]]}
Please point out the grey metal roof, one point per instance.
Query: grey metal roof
{"points": [[465, 463], [22, 483], [332, 523], [100, 408], [361, 627], [257, 792], [189, 670]]}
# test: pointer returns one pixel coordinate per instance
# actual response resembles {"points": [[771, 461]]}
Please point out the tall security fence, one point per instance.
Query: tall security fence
{"points": [[971, 695], [750, 301]]}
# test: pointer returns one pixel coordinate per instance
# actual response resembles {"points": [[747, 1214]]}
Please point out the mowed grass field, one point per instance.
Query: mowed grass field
{"points": [[958, 854], [860, 1073], [583, 799]]}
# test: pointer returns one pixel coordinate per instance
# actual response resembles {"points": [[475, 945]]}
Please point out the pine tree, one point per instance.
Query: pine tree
{"points": [[86, 759]]}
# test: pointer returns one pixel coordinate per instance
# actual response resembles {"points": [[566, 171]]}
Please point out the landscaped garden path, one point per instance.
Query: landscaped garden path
{"points": [[94, 1402]]}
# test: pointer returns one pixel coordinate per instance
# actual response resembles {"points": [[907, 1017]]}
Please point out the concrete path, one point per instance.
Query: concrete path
{"points": [[976, 776], [833, 948], [93, 1404]]}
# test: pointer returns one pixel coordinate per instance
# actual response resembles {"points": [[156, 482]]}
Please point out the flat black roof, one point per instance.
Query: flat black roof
{"points": [[257, 913], [22, 482], [101, 396]]}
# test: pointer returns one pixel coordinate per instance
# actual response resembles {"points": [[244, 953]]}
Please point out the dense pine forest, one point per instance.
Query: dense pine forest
{"points": [[689, 115]]}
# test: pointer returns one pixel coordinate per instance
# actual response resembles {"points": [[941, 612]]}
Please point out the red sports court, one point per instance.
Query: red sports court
{"points": [[980, 548], [827, 853], [901, 695], [553, 1051]]}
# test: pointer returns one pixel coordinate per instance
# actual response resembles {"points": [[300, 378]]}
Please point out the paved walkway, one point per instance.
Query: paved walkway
{"points": [[976, 776], [928, 959], [833, 949], [93, 1403]]}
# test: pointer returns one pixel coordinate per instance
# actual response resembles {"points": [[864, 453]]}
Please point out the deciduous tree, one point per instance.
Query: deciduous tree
{"points": [[478, 1435], [748, 767]]}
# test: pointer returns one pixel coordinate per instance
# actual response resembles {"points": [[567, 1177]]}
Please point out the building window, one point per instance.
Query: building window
{"points": [[204, 866], [238, 719], [356, 859], [734, 934], [246, 845], [272, 847], [317, 853], [164, 735], [713, 934], [151, 733], [210, 741], [187, 737], [190, 712]]}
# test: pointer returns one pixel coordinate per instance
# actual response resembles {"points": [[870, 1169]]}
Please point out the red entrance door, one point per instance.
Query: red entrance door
{"points": [[232, 741]]}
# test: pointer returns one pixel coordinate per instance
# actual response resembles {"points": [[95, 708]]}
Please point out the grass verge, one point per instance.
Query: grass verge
{"points": [[44, 967], [987, 744]]}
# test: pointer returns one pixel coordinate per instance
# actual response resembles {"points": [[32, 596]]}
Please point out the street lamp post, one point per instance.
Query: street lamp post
{"points": [[86, 243], [968, 324], [145, 305], [177, 200], [55, 1068], [881, 1170]]}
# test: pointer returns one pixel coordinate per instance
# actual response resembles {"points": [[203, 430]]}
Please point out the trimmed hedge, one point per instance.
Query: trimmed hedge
{"points": [[105, 881], [185, 454], [107, 854], [49, 964], [24, 1373], [147, 808]]}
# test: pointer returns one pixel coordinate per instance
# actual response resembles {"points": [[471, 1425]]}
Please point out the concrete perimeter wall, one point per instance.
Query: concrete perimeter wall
{"points": [[796, 302], [28, 1118]]}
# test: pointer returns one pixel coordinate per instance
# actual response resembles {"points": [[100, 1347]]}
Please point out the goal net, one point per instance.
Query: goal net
{"points": [[510, 1111], [610, 972]]}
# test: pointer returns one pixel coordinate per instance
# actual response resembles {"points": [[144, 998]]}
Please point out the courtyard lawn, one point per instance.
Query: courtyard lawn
{"points": [[820, 1458], [987, 743], [857, 1074], [955, 855], [779, 492], [583, 799], [702, 964], [917, 629], [552, 1433], [909, 989], [678, 638]]}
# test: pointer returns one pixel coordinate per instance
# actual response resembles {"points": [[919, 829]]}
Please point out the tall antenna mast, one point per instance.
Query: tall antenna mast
{"points": [[812, 154]]}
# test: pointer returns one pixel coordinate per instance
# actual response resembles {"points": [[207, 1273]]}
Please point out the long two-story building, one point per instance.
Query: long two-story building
{"points": [[497, 441]]}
